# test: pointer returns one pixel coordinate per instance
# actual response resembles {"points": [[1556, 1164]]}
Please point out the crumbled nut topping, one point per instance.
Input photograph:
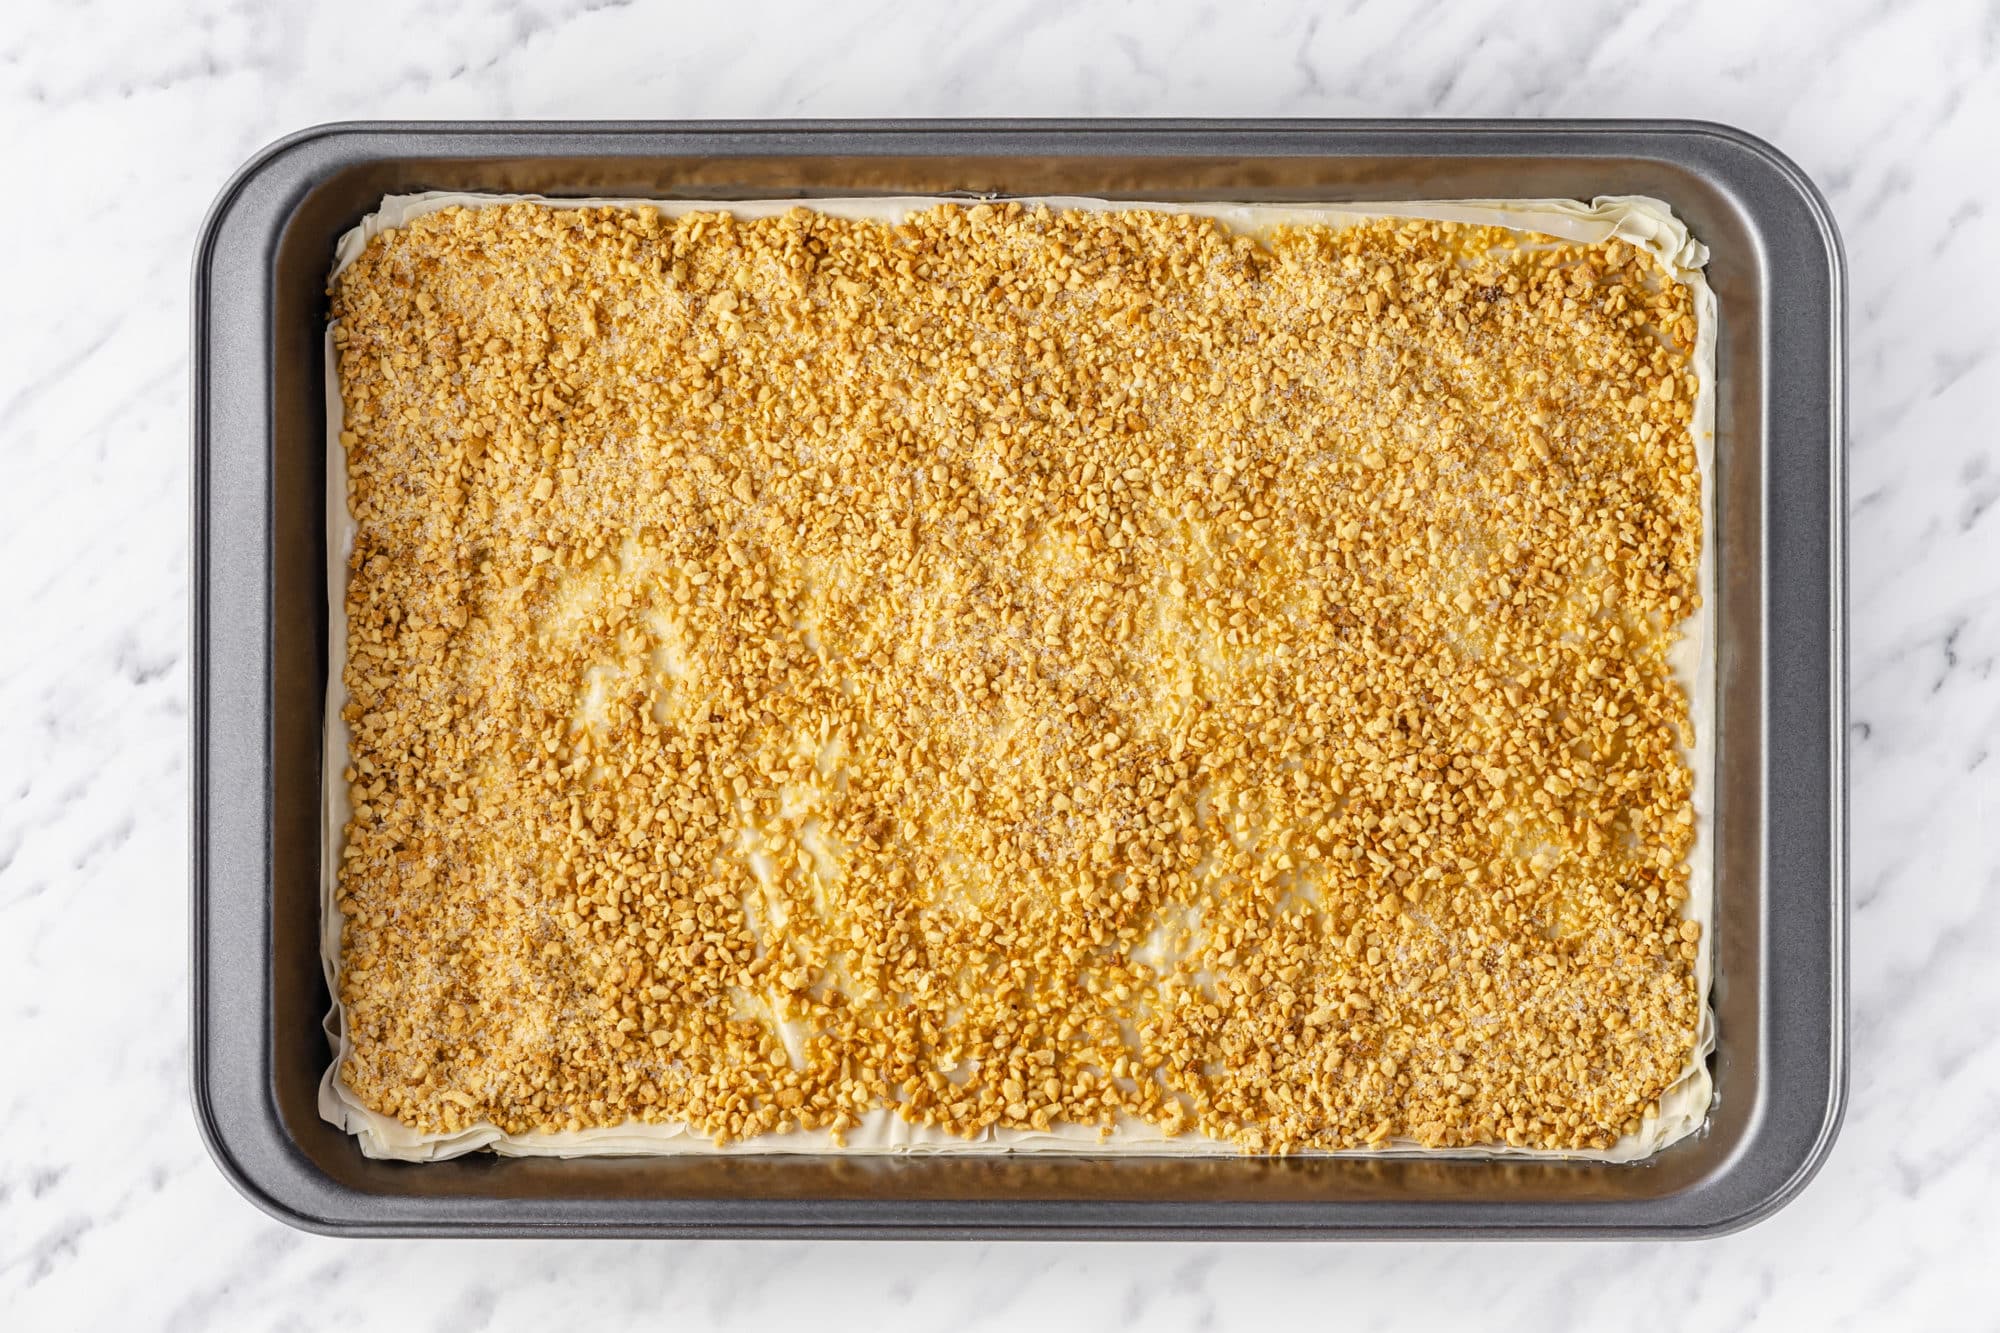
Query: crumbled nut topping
{"points": [[1016, 668]]}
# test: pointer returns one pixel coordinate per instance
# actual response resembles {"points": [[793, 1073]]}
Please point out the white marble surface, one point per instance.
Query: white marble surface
{"points": [[123, 120]]}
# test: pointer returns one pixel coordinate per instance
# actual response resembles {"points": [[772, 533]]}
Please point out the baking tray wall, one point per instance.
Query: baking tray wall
{"points": [[259, 615]]}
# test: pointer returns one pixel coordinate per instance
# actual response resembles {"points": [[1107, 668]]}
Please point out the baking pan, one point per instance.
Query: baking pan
{"points": [[260, 663]]}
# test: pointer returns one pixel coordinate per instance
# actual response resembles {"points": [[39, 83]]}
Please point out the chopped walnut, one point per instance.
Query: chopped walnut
{"points": [[1016, 668]]}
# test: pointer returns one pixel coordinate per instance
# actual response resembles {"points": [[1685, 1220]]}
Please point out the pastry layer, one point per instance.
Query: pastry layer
{"points": [[1214, 610]]}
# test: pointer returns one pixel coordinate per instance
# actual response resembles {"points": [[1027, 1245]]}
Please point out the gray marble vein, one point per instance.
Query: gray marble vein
{"points": [[125, 118]]}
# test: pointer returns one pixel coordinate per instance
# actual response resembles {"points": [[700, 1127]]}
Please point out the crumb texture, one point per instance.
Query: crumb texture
{"points": [[1016, 668]]}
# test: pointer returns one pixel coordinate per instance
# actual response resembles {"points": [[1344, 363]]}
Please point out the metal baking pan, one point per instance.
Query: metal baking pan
{"points": [[260, 655]]}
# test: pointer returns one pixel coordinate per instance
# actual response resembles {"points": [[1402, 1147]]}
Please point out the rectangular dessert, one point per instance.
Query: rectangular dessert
{"points": [[909, 675]]}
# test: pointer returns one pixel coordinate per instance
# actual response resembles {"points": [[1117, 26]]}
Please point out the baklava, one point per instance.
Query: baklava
{"points": [[925, 675]]}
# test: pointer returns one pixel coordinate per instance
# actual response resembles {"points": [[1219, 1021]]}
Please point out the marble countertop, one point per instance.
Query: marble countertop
{"points": [[126, 117]]}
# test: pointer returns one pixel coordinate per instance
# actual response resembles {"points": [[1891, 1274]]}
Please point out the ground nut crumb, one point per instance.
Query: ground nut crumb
{"points": [[1016, 668]]}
